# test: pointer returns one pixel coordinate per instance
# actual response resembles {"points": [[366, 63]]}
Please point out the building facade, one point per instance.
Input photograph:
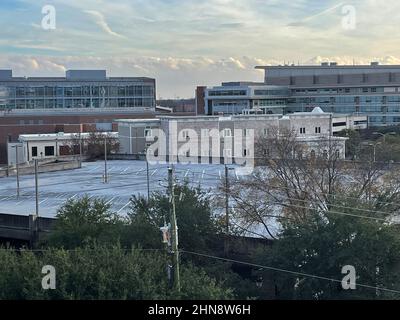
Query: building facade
{"points": [[221, 137], [79, 89], [82, 101], [372, 91], [45, 146]]}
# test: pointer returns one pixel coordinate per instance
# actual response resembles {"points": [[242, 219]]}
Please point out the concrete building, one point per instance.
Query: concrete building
{"points": [[82, 101], [368, 90], [372, 90], [191, 138], [44, 146]]}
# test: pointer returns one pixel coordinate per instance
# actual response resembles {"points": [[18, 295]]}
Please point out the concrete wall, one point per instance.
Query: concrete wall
{"points": [[43, 168]]}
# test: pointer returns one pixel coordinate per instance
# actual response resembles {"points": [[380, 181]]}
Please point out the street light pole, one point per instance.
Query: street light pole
{"points": [[80, 150], [105, 160], [17, 167], [37, 188]]}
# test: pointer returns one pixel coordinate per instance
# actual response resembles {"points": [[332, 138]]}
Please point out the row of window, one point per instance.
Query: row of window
{"points": [[220, 93], [78, 91], [345, 90], [303, 130], [79, 103]]}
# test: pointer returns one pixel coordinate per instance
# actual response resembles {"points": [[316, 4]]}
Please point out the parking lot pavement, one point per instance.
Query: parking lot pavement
{"points": [[126, 178]]}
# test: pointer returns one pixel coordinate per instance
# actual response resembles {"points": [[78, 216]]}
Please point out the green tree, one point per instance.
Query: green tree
{"points": [[198, 228], [101, 272], [323, 242], [83, 220]]}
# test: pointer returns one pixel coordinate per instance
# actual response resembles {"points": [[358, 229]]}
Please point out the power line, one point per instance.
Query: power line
{"points": [[287, 271]]}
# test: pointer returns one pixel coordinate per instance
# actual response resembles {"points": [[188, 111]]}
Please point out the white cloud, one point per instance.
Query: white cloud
{"points": [[102, 23]]}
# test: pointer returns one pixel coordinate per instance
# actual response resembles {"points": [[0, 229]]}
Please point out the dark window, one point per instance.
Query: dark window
{"points": [[49, 151], [34, 151], [339, 124]]}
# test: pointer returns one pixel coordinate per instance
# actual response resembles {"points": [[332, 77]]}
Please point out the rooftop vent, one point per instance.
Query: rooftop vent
{"points": [[325, 64], [375, 63], [334, 64]]}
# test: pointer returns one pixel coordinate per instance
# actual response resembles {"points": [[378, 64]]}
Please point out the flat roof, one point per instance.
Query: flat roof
{"points": [[367, 66]]}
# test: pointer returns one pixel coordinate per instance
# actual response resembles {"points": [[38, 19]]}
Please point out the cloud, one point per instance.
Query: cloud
{"points": [[304, 21], [102, 23], [176, 77]]}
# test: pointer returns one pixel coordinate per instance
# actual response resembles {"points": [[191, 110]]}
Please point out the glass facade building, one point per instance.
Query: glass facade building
{"points": [[371, 90], [80, 89]]}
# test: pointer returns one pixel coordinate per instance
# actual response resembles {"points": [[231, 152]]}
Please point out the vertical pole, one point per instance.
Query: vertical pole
{"points": [[80, 150], [148, 180], [17, 166], [175, 244], [37, 188], [105, 161], [226, 247]]}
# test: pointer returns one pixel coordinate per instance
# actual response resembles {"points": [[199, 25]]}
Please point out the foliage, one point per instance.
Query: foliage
{"points": [[324, 242], [100, 272], [83, 220], [198, 228]]}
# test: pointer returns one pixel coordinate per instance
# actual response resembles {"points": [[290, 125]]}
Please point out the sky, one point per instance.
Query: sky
{"points": [[186, 43]]}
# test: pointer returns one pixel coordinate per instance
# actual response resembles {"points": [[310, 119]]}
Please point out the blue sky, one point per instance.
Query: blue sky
{"points": [[187, 43]]}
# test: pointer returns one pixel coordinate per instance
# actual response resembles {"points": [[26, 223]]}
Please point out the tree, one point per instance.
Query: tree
{"points": [[198, 228], [323, 243], [83, 220], [94, 145], [101, 272]]}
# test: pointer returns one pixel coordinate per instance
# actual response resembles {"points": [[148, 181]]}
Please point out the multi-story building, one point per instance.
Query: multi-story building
{"points": [[239, 97], [371, 90], [82, 101], [191, 137]]}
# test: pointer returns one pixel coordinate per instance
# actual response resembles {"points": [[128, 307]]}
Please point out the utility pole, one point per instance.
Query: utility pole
{"points": [[37, 188], [148, 180], [80, 150], [17, 167], [175, 243], [105, 160], [226, 246]]}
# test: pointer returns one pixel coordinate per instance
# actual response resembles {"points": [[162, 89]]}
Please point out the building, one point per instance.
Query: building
{"points": [[361, 90], [45, 146], [82, 101], [241, 97], [220, 137], [255, 99]]}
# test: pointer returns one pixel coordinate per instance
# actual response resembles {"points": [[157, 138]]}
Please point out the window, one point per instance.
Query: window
{"points": [[227, 133], [228, 152], [185, 134], [266, 132], [318, 130], [246, 132], [302, 130], [148, 133], [49, 151], [34, 151], [246, 152]]}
